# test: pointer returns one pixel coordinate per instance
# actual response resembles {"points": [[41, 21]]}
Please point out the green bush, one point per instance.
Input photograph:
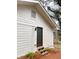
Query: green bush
{"points": [[30, 55]]}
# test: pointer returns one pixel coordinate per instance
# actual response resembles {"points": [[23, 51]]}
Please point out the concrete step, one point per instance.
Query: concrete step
{"points": [[44, 53], [42, 50]]}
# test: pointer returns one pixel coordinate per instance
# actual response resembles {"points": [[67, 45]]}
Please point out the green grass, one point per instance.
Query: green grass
{"points": [[30, 55]]}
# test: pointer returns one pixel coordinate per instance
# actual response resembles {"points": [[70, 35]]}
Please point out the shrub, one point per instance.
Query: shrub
{"points": [[17, 58], [30, 55]]}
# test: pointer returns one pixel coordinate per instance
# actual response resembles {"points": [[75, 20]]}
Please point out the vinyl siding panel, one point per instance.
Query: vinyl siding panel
{"points": [[47, 31], [25, 39], [24, 15], [25, 31], [26, 34]]}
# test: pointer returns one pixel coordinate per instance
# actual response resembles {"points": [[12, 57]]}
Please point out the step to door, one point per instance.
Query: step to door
{"points": [[42, 50], [44, 53]]}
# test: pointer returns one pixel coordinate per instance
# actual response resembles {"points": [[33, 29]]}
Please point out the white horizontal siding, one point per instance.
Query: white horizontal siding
{"points": [[29, 22], [25, 30], [24, 15], [23, 12], [48, 36], [26, 34], [25, 39]]}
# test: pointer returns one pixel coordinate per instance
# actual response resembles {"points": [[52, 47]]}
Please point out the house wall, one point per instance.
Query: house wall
{"points": [[48, 35], [47, 31], [26, 34], [28, 38]]}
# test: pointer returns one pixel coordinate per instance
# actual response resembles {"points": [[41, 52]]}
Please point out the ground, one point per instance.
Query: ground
{"points": [[56, 55], [51, 55]]}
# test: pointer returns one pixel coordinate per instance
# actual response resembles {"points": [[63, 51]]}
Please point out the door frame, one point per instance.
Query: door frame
{"points": [[38, 28]]}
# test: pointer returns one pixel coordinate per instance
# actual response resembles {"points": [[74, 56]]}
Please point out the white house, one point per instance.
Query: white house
{"points": [[34, 27]]}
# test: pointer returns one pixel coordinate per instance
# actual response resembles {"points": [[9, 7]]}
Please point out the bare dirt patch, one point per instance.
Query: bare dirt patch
{"points": [[53, 54]]}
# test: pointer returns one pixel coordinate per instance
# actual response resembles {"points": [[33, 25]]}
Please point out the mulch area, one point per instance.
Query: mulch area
{"points": [[51, 55], [56, 55]]}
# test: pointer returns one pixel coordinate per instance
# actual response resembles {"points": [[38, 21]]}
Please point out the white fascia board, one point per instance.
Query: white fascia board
{"points": [[48, 16], [27, 2]]}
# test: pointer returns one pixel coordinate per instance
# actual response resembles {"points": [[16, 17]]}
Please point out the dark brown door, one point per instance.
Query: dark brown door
{"points": [[39, 36]]}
